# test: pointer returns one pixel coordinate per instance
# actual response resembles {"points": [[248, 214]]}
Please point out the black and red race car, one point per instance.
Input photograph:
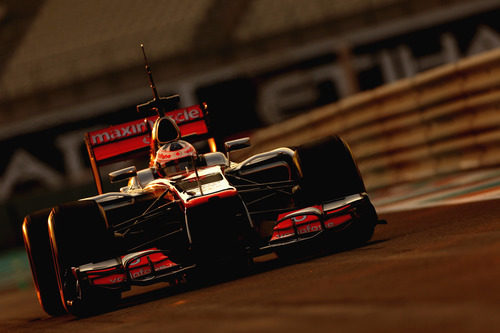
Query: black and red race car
{"points": [[216, 216]]}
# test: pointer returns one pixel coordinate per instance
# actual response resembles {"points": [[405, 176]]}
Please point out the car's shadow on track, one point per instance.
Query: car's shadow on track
{"points": [[265, 264]]}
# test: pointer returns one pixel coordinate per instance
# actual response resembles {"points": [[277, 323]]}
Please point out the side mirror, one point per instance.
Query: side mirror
{"points": [[236, 144], [217, 158], [165, 130], [122, 174]]}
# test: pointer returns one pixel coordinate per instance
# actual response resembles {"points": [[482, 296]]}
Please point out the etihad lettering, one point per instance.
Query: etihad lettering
{"points": [[279, 95], [25, 167]]}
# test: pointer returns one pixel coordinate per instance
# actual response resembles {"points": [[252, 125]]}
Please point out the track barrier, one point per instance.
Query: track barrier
{"points": [[439, 122]]}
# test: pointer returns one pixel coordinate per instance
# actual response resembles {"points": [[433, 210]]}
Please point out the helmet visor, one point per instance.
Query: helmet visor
{"points": [[176, 167]]}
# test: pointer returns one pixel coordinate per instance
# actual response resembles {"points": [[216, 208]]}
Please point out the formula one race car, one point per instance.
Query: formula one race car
{"points": [[189, 213]]}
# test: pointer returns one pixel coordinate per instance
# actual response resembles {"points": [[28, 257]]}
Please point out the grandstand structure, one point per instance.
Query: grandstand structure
{"points": [[71, 60]]}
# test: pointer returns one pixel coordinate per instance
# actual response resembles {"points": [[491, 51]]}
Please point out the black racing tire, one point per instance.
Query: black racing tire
{"points": [[328, 171], [362, 230], [37, 244], [289, 254], [79, 234], [239, 265]]}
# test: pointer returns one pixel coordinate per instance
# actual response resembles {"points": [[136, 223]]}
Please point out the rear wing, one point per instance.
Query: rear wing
{"points": [[133, 139]]}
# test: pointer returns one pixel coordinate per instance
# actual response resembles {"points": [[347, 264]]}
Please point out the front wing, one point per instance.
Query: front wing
{"points": [[137, 268], [320, 221]]}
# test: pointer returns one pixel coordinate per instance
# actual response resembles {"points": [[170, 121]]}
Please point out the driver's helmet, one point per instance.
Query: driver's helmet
{"points": [[175, 158]]}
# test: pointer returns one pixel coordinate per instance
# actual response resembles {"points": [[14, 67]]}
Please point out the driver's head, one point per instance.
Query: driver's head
{"points": [[175, 158]]}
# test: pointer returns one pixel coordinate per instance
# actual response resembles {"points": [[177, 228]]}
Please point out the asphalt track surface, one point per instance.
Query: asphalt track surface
{"points": [[434, 269]]}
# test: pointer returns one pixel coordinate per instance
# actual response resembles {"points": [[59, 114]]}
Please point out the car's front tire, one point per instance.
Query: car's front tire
{"points": [[37, 244], [328, 170], [79, 235]]}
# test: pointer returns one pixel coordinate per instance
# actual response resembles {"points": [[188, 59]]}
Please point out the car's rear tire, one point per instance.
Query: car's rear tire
{"points": [[79, 235], [328, 171], [37, 244]]}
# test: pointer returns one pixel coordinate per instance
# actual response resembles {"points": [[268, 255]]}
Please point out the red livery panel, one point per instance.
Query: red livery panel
{"points": [[135, 266], [295, 224], [135, 135]]}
